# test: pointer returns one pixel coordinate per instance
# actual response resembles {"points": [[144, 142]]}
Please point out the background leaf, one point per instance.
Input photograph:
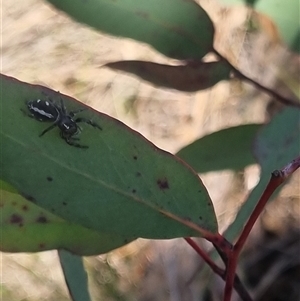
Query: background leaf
{"points": [[26, 227], [75, 276], [190, 78], [178, 29], [285, 14], [275, 146], [229, 148], [122, 184]]}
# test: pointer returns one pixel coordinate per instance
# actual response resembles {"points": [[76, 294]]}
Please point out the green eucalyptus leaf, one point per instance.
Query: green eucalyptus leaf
{"points": [[25, 227], [178, 29], [122, 184], [75, 276], [229, 148], [276, 145]]}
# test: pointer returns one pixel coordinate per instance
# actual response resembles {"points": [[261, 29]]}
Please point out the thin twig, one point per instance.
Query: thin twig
{"points": [[205, 257], [240, 289], [259, 86]]}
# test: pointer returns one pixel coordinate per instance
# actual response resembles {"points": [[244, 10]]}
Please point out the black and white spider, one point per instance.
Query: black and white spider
{"points": [[47, 110]]}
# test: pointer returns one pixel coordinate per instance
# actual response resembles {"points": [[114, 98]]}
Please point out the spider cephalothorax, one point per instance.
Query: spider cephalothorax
{"points": [[47, 110]]}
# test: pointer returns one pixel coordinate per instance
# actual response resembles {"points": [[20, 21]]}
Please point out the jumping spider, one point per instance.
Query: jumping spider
{"points": [[47, 110]]}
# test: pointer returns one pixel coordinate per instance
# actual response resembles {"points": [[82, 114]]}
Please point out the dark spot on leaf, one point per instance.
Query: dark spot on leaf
{"points": [[133, 191], [135, 157], [142, 14], [163, 183], [14, 203], [42, 245], [30, 198], [138, 174], [201, 218], [16, 219], [24, 207], [65, 203], [49, 179], [125, 241], [41, 220]]}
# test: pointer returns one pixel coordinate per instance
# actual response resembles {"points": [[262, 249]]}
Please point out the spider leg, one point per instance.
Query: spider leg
{"points": [[70, 140], [62, 106], [48, 129], [90, 122], [73, 113], [65, 137], [72, 143], [27, 114], [64, 109]]}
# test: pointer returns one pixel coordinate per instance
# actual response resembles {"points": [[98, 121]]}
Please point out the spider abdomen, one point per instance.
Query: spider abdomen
{"points": [[43, 110]]}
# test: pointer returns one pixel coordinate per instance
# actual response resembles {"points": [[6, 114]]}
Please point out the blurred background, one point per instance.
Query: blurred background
{"points": [[43, 46]]}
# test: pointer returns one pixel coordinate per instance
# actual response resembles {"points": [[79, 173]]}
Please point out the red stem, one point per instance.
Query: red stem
{"points": [[274, 182], [220, 240], [277, 178], [231, 268], [229, 253], [205, 257]]}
